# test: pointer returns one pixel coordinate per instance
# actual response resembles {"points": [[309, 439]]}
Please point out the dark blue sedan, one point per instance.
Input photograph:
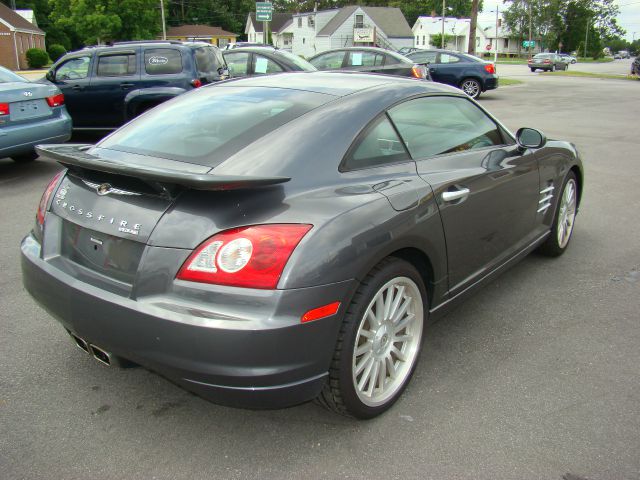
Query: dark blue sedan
{"points": [[468, 73]]}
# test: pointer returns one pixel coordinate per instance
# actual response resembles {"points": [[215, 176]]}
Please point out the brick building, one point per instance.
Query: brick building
{"points": [[17, 35]]}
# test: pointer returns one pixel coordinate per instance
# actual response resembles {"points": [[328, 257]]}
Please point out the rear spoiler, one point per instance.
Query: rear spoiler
{"points": [[75, 156]]}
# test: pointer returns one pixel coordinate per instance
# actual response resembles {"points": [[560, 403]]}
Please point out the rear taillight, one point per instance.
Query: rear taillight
{"points": [[46, 196], [252, 257], [4, 109], [418, 71], [196, 83], [56, 100], [547, 61], [490, 68]]}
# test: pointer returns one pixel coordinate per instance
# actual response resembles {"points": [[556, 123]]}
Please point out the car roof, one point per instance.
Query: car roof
{"points": [[331, 82]]}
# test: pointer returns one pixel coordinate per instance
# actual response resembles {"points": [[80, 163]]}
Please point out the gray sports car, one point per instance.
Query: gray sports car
{"points": [[30, 113], [271, 240]]}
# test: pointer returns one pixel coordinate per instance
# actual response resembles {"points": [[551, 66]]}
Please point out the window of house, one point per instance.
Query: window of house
{"points": [[299, 22], [379, 145], [439, 125], [359, 21], [477, 41], [162, 61], [417, 42], [506, 43], [424, 40], [311, 21], [117, 65]]}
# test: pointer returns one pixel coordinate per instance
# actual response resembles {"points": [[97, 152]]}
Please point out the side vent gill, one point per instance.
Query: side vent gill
{"points": [[546, 195]]}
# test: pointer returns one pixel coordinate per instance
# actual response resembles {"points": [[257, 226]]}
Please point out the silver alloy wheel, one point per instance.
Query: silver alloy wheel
{"points": [[567, 213], [387, 341], [471, 88]]}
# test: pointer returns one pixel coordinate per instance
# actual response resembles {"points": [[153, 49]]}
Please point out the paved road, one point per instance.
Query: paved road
{"points": [[535, 377], [617, 67]]}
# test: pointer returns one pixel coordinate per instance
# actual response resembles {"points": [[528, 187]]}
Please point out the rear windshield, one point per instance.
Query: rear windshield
{"points": [[7, 76], [301, 63], [208, 60], [208, 125], [543, 55]]}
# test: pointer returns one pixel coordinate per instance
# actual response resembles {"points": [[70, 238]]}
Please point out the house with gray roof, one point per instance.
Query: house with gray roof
{"points": [[280, 27], [353, 25]]}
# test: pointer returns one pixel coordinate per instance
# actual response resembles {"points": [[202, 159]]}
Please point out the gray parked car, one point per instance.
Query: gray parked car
{"points": [[30, 114], [279, 238], [548, 62]]}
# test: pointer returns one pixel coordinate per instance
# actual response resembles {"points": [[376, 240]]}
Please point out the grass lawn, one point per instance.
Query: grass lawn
{"points": [[505, 82], [573, 73]]}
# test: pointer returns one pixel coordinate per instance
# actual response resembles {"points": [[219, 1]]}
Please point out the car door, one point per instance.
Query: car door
{"points": [[115, 74], [365, 61], [447, 68], [329, 61], [72, 77], [238, 63], [486, 188]]}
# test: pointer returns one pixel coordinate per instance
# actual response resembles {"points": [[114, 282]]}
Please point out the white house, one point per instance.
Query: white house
{"points": [[315, 32], [504, 41], [281, 27], [457, 28]]}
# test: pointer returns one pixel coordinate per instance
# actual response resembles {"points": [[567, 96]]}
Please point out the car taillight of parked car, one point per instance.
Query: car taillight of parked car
{"points": [[418, 71], [196, 83], [547, 61], [46, 196], [55, 100], [251, 257], [490, 68], [4, 109]]}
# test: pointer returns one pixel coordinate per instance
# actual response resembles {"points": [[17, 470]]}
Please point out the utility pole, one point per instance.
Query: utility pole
{"points": [[164, 28], [495, 58], [586, 39], [471, 49], [443, 13], [530, 22]]}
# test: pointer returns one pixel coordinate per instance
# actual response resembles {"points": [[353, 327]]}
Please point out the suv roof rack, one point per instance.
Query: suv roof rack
{"points": [[138, 42]]}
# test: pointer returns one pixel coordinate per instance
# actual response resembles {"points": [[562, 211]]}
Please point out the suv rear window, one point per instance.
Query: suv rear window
{"points": [[208, 60], [208, 125], [162, 61]]}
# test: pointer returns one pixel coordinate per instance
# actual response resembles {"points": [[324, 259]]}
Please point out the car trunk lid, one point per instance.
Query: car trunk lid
{"points": [[25, 101]]}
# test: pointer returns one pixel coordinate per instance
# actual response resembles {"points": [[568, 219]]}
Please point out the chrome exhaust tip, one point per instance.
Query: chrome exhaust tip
{"points": [[100, 355], [80, 343]]}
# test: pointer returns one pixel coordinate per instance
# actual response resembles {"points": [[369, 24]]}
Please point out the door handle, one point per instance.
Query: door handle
{"points": [[460, 194], [77, 87], [127, 85]]}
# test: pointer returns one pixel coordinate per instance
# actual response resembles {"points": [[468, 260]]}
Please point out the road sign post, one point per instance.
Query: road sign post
{"points": [[264, 13]]}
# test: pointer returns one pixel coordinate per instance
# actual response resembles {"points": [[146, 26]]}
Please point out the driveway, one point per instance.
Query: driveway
{"points": [[535, 377]]}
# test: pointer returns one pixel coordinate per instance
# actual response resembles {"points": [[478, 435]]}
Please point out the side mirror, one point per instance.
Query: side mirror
{"points": [[530, 138], [51, 75], [223, 71]]}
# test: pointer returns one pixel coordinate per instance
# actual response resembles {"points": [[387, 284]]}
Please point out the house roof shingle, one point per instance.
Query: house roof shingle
{"points": [[279, 21], [198, 31], [388, 19], [16, 21]]}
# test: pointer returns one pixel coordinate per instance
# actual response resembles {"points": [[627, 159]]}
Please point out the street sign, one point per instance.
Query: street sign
{"points": [[526, 43], [264, 11], [488, 47]]}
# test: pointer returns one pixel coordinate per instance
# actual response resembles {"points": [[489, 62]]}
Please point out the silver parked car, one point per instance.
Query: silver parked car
{"points": [[30, 113], [548, 61]]}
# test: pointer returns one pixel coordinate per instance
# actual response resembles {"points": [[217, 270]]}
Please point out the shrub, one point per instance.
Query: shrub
{"points": [[56, 51], [37, 58]]}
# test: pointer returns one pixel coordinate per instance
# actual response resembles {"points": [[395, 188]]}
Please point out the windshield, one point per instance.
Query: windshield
{"points": [[209, 125], [9, 76]]}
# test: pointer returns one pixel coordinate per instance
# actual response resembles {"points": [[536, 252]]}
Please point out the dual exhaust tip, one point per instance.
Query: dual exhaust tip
{"points": [[98, 353]]}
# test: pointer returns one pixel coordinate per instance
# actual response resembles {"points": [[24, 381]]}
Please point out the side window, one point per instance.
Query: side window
{"points": [[162, 61], [237, 63], [74, 69], [436, 125], [379, 145], [424, 57], [365, 59], [329, 61], [265, 65], [447, 58], [116, 65]]}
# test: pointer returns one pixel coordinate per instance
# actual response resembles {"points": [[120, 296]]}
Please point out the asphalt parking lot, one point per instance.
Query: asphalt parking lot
{"points": [[535, 377]]}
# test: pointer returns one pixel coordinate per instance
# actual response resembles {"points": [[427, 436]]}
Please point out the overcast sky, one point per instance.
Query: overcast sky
{"points": [[629, 17]]}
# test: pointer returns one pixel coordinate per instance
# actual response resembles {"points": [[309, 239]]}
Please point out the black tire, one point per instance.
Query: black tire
{"points": [[533, 70], [339, 393], [25, 157], [552, 246], [573, 61]]}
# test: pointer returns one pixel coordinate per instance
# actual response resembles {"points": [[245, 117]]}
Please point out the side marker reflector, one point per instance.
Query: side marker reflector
{"points": [[321, 312]]}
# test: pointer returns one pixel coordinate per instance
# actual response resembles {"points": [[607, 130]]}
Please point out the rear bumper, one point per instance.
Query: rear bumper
{"points": [[22, 138], [491, 83], [266, 360]]}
